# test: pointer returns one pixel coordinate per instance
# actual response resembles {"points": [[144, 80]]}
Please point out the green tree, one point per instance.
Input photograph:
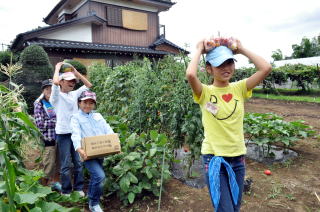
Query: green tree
{"points": [[35, 68], [277, 55], [307, 48]]}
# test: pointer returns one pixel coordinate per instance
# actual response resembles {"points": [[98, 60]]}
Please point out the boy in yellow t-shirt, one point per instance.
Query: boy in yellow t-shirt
{"points": [[222, 107]]}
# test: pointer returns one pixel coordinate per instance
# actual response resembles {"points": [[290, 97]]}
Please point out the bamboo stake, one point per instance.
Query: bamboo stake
{"points": [[317, 196]]}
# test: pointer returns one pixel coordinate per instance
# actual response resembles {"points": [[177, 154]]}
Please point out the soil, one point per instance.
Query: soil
{"points": [[292, 186]]}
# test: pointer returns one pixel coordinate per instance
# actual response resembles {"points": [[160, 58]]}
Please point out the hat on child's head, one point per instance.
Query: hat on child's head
{"points": [[87, 95], [219, 55], [67, 76], [46, 83]]}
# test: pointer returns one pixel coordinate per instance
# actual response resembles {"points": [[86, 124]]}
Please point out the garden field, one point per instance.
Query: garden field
{"points": [[150, 106], [290, 187]]}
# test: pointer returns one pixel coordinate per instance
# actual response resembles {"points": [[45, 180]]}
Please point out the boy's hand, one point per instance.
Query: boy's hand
{"points": [[239, 47], [58, 66], [200, 46], [82, 153]]}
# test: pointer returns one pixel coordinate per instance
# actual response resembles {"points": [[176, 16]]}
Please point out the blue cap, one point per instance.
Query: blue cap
{"points": [[219, 55]]}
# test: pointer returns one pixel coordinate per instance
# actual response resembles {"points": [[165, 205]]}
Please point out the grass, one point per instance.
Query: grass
{"points": [[288, 98], [315, 92]]}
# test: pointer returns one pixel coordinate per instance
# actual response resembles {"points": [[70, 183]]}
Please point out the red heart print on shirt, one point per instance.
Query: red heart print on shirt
{"points": [[227, 97]]}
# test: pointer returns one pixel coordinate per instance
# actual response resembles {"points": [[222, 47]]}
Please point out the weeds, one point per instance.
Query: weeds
{"points": [[276, 191]]}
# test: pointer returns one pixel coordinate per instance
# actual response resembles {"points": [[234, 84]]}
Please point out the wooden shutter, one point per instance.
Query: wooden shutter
{"points": [[134, 20], [114, 16]]}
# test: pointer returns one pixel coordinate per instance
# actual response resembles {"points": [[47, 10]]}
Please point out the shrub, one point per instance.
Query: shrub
{"points": [[303, 75], [35, 68], [79, 66]]}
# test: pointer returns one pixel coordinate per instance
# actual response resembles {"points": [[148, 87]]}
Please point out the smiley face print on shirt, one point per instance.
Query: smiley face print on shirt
{"points": [[226, 105]]}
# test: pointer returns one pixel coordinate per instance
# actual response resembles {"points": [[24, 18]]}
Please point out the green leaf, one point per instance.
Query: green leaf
{"points": [[118, 170], [131, 197], [25, 118], [131, 140], [10, 178], [162, 140], [54, 207], [149, 174], [125, 183], [3, 146], [303, 134], [153, 151], [75, 196], [132, 178], [4, 206], [2, 187], [39, 189], [130, 157], [154, 135], [27, 198], [36, 209], [137, 189], [145, 185]]}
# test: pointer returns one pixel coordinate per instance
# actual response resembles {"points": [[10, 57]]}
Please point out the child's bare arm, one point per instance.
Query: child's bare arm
{"points": [[263, 67], [82, 78], [191, 72], [55, 78]]}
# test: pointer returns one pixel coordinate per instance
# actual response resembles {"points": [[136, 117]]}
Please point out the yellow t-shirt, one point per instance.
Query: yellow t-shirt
{"points": [[222, 118]]}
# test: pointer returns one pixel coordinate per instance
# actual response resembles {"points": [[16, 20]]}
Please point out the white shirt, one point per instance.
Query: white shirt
{"points": [[65, 104]]}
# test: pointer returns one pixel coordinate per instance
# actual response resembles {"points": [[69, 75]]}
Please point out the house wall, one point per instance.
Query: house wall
{"points": [[69, 9], [83, 10], [122, 36], [81, 32]]}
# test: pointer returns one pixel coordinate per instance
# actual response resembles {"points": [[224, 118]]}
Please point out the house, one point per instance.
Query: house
{"points": [[108, 31]]}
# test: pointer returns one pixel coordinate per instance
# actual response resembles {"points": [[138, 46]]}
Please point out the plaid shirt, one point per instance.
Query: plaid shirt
{"points": [[45, 124]]}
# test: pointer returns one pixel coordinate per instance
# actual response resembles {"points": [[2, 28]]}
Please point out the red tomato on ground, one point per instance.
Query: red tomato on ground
{"points": [[267, 172]]}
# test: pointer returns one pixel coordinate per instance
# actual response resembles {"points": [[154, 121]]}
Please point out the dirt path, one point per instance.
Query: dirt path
{"points": [[291, 186]]}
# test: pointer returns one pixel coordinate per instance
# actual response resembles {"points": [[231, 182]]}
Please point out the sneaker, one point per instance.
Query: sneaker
{"points": [[95, 208], [81, 193], [56, 186]]}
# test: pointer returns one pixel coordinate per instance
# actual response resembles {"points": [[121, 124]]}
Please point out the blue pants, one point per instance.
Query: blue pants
{"points": [[238, 165], [97, 179], [68, 154]]}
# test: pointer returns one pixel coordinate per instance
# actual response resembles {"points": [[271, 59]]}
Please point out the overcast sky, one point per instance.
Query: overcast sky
{"points": [[262, 26]]}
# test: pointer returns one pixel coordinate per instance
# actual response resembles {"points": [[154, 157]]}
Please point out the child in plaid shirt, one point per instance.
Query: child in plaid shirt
{"points": [[45, 118]]}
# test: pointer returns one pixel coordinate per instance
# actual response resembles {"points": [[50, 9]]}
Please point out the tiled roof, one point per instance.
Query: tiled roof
{"points": [[163, 40], [50, 43], [26, 35], [62, 2]]}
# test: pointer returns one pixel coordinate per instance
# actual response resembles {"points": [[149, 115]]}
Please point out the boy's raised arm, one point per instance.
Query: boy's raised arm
{"points": [[191, 72], [82, 78], [263, 67], [55, 78]]}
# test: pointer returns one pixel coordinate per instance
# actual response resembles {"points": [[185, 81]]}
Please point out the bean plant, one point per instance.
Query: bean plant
{"points": [[267, 129]]}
